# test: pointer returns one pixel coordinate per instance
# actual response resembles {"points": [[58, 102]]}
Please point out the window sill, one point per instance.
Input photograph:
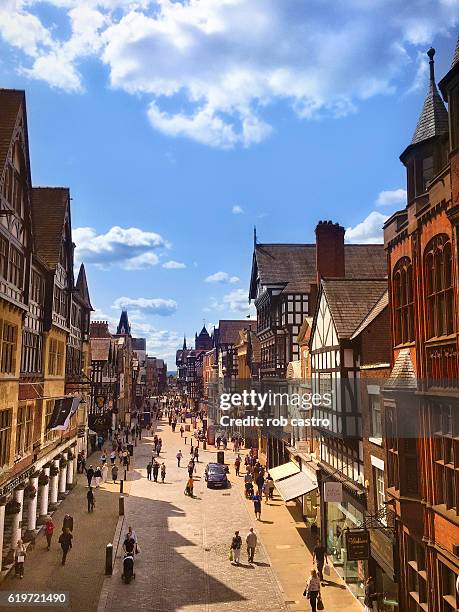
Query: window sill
{"points": [[405, 345], [377, 441], [440, 339]]}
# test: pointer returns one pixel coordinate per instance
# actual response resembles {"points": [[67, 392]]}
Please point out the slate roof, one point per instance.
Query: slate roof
{"points": [[351, 300], [434, 116], [228, 330], [82, 288], [377, 309], [403, 375], [100, 349], [10, 104], [295, 264], [49, 208]]}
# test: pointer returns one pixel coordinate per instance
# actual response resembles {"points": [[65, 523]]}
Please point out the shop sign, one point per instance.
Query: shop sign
{"points": [[358, 544], [16, 481], [99, 422], [333, 492]]}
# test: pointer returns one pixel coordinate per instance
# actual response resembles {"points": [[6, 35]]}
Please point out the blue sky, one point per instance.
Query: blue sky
{"points": [[178, 126]]}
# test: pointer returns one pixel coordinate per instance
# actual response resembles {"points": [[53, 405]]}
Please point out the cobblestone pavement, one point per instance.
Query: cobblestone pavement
{"points": [[183, 564], [83, 575]]}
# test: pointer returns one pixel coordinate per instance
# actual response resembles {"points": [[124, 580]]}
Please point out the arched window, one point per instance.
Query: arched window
{"points": [[438, 281], [403, 301]]}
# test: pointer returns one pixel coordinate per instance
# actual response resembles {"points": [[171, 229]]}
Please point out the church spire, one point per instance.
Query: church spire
{"points": [[184, 342], [434, 116]]}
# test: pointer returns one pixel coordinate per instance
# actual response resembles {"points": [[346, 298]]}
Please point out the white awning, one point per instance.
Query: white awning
{"points": [[284, 470], [295, 486]]}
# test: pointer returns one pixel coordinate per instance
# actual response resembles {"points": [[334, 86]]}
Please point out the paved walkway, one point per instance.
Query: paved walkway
{"points": [[288, 543], [183, 564], [83, 575]]}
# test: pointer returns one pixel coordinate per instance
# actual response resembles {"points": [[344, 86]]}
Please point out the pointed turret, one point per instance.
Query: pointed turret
{"points": [[434, 116], [123, 326], [426, 156], [184, 343]]}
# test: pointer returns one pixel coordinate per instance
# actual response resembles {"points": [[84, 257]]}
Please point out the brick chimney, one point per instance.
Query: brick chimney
{"points": [[329, 250], [99, 329]]}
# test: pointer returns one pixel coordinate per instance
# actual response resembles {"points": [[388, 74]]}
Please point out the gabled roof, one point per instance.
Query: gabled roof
{"points": [[100, 349], [351, 300], [11, 101], [305, 331], [456, 54], [377, 309], [403, 375], [293, 266], [228, 330], [82, 288], [49, 210], [434, 116]]}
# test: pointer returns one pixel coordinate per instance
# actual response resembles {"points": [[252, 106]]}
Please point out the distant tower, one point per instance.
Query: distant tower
{"points": [[124, 328], [203, 341], [184, 343]]}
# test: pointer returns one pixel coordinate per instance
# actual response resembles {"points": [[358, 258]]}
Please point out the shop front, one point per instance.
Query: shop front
{"points": [[381, 567], [341, 516]]}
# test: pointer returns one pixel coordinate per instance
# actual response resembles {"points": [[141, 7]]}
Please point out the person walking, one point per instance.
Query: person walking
{"points": [[181, 431], [149, 468], [319, 556], [236, 544], [90, 499], [266, 491], [104, 472], [237, 465], [251, 542], [260, 481], [90, 475], [190, 468], [19, 559], [219, 441], [312, 590], [65, 540], [114, 473], [163, 472], [257, 506], [270, 482], [67, 522], [49, 530], [97, 476], [179, 457], [196, 454], [155, 470], [189, 487]]}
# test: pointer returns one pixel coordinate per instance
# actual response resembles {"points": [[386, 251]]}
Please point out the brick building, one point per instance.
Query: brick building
{"points": [[421, 397]]}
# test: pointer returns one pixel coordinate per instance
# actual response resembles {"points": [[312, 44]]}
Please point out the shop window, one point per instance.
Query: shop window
{"points": [[6, 417], [438, 281], [8, 343], [403, 301], [449, 593]]}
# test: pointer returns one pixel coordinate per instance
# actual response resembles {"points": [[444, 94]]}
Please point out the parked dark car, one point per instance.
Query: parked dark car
{"points": [[215, 475]]}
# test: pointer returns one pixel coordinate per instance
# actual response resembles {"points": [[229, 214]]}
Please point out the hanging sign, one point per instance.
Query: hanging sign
{"points": [[333, 492], [358, 544]]}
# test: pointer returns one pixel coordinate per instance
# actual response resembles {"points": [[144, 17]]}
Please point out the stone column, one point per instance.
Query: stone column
{"points": [[16, 526], [2, 526], [70, 469], [54, 485], [32, 509], [44, 492], [62, 478]]}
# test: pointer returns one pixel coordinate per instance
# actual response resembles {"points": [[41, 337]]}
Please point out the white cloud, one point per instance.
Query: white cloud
{"points": [[221, 277], [156, 306], [369, 231], [210, 68], [391, 198], [237, 210], [130, 248], [173, 265], [238, 301]]}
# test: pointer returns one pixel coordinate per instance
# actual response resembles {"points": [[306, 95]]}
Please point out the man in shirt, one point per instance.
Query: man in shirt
{"points": [[251, 541]]}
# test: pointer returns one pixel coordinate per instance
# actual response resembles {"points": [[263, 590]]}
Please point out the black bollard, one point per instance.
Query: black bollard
{"points": [[121, 505], [109, 559], [121, 485]]}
